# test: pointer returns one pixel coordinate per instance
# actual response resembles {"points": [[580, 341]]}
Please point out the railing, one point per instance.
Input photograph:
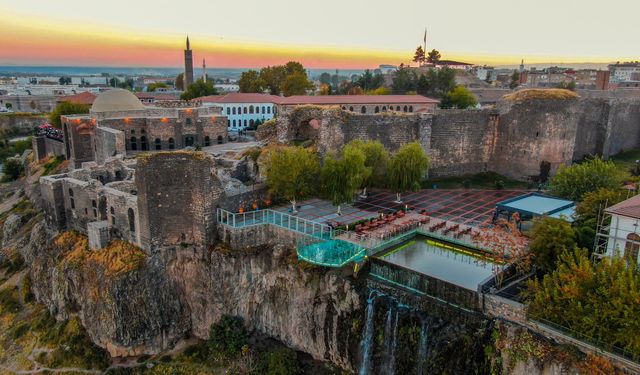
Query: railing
{"points": [[276, 218]]}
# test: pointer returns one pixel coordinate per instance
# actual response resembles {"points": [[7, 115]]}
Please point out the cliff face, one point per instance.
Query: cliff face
{"points": [[185, 290]]}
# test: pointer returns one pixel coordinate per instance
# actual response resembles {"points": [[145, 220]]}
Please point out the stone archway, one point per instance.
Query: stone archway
{"points": [[308, 130]]}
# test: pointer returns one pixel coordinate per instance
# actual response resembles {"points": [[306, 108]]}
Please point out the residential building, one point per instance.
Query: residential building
{"points": [[619, 232], [244, 110], [625, 72]]}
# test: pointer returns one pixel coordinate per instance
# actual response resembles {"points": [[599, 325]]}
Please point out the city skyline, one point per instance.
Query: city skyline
{"points": [[354, 35]]}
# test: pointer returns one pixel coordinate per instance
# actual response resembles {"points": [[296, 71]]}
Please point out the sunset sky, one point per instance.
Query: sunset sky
{"points": [[320, 34]]}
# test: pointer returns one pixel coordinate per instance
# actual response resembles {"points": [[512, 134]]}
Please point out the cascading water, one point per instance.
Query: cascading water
{"points": [[422, 348], [391, 355], [367, 338]]}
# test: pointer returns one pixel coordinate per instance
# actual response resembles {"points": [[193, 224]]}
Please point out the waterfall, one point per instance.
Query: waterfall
{"points": [[391, 362], [422, 348], [367, 338]]}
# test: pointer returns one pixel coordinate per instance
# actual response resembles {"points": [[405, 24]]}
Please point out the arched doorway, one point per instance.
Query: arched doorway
{"points": [[632, 248]]}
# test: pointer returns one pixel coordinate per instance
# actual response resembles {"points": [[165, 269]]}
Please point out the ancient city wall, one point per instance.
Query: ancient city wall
{"points": [[43, 147], [623, 126]]}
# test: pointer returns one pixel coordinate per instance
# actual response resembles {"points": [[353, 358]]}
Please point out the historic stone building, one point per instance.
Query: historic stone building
{"points": [[119, 124]]}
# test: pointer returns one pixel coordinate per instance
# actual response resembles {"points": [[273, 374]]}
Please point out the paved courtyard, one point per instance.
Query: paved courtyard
{"points": [[470, 207]]}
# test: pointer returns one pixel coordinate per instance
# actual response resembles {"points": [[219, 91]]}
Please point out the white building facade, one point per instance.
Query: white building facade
{"points": [[623, 233], [245, 110]]}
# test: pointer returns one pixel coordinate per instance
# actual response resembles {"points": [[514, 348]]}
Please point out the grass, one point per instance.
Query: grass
{"points": [[537, 94], [51, 166], [626, 161], [486, 180]]}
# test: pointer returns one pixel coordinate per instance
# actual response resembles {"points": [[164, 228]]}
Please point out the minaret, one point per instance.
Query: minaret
{"points": [[188, 65], [204, 71], [522, 66]]}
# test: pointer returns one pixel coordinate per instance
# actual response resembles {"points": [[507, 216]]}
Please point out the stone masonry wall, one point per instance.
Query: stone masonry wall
{"points": [[177, 196]]}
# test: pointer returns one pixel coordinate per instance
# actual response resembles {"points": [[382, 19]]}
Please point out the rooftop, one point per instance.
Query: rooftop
{"points": [[238, 97], [630, 208], [539, 205], [358, 99], [116, 100], [80, 98]]}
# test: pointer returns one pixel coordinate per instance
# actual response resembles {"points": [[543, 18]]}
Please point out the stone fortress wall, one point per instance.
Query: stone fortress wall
{"points": [[512, 139]]}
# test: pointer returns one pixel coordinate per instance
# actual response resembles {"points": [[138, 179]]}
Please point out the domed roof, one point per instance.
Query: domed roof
{"points": [[116, 100]]}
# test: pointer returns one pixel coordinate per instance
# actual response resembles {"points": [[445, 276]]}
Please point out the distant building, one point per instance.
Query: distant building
{"points": [[625, 72], [188, 65], [243, 110], [119, 124], [365, 103], [453, 65]]}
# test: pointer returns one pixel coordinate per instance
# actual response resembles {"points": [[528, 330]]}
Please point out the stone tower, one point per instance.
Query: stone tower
{"points": [[188, 65]]}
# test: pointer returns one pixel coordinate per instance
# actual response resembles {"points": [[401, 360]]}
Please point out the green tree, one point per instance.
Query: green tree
{"points": [[250, 81], [575, 181], [515, 80], [433, 56], [228, 336], [179, 84], [13, 169], [274, 77], [198, 89], [597, 299], [66, 108], [292, 173], [342, 177], [376, 161], [419, 55], [152, 87], [325, 78], [279, 362], [296, 83], [587, 212], [550, 238], [407, 169], [64, 80], [404, 80], [460, 97]]}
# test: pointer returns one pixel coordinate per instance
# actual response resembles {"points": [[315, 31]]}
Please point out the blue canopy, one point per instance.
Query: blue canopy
{"points": [[536, 204]]}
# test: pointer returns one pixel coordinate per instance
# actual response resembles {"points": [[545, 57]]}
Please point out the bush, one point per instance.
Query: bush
{"points": [[279, 362], [13, 169], [228, 336], [577, 180], [551, 237], [9, 301]]}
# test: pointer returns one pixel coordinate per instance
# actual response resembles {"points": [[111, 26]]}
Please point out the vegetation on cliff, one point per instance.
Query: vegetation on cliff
{"points": [[117, 258], [540, 94]]}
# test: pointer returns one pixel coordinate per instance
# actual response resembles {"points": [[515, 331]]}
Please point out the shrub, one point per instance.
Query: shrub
{"points": [[13, 169], [9, 301], [279, 362], [579, 179], [227, 336], [550, 237]]}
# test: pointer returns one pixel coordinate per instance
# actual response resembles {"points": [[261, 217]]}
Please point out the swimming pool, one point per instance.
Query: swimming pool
{"points": [[459, 267]]}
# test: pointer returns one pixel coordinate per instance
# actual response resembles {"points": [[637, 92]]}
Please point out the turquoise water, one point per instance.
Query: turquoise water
{"points": [[454, 267]]}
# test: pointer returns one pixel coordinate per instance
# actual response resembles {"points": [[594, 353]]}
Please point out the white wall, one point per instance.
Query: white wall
{"points": [[237, 121], [621, 227]]}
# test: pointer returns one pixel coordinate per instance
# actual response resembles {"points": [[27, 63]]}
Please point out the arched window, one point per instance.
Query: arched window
{"points": [[376, 110], [234, 110], [188, 121], [228, 111], [239, 110], [143, 131], [94, 205], [363, 109], [245, 123], [207, 141], [405, 108], [134, 144], [263, 109], [398, 108], [250, 109], [133, 131], [410, 108], [351, 108], [71, 200], [143, 143], [344, 108], [172, 144], [632, 248], [384, 108], [132, 220], [251, 123], [228, 123], [234, 123], [220, 139], [258, 109], [113, 216], [244, 109], [158, 143]]}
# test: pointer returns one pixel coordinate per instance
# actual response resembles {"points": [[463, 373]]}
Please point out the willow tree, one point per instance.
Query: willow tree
{"points": [[291, 172], [407, 168], [376, 161], [342, 177]]}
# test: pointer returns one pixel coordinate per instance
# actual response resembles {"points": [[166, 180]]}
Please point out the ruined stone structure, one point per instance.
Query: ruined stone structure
{"points": [[44, 146], [513, 139], [118, 124]]}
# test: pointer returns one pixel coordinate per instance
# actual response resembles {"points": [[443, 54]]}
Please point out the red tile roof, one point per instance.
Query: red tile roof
{"points": [[238, 97], [81, 98], [630, 208], [318, 100], [358, 99]]}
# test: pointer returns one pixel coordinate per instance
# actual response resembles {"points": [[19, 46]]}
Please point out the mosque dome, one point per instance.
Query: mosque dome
{"points": [[116, 100]]}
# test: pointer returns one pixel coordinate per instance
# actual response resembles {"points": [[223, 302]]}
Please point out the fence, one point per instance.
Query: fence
{"points": [[273, 217]]}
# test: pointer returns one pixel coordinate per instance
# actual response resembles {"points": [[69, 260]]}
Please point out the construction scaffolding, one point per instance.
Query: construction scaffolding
{"points": [[617, 236]]}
